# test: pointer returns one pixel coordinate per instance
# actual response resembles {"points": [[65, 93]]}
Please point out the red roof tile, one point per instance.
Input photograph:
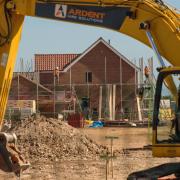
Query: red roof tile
{"points": [[48, 62]]}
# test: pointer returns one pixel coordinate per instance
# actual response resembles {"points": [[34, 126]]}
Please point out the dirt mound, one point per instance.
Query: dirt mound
{"points": [[51, 139]]}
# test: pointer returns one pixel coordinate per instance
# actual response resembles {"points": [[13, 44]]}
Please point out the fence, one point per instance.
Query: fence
{"points": [[94, 101]]}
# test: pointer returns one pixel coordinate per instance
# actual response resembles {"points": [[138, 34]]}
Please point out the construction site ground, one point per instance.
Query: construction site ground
{"points": [[52, 161]]}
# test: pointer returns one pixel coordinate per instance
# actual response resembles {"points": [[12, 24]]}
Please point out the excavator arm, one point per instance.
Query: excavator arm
{"points": [[125, 16]]}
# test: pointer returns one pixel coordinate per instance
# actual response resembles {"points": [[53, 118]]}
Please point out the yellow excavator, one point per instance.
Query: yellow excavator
{"points": [[152, 22]]}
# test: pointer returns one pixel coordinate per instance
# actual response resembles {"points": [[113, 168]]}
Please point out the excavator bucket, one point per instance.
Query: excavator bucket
{"points": [[10, 157]]}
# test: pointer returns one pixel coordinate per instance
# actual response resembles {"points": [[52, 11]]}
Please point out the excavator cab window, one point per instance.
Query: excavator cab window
{"points": [[166, 117]]}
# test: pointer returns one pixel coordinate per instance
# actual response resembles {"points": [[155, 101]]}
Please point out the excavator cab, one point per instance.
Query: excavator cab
{"points": [[166, 126], [166, 117]]}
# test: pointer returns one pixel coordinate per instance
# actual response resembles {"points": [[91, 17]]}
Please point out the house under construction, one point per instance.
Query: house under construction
{"points": [[100, 82]]}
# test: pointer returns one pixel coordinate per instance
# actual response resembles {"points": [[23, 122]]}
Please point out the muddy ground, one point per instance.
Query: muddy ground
{"points": [[94, 168]]}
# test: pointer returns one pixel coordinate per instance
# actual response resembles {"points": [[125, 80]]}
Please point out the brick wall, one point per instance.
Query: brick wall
{"points": [[28, 91], [94, 62]]}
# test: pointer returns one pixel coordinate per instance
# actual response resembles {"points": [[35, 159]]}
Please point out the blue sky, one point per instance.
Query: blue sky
{"points": [[47, 36]]}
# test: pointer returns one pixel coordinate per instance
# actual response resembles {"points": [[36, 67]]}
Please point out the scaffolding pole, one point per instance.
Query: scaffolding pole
{"points": [[120, 73], [18, 86], [114, 102], [135, 89], [139, 108], [54, 96], [110, 102], [105, 70], [100, 102], [70, 79], [54, 90], [37, 91], [141, 79]]}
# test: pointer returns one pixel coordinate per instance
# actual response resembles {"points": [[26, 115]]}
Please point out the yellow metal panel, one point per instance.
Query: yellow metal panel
{"points": [[165, 33], [25, 7], [166, 150], [170, 69], [7, 60], [164, 23], [171, 86], [154, 137]]}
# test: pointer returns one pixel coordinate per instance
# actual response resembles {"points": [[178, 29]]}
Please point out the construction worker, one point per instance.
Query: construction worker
{"points": [[146, 72], [56, 74]]}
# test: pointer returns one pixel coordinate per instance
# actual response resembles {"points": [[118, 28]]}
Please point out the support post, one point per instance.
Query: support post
{"points": [[18, 86], [121, 93], [54, 96], [141, 75], [110, 101], [139, 109], [114, 103], [37, 91], [100, 102]]}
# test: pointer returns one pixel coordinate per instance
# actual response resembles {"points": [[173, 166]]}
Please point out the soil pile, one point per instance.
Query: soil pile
{"points": [[51, 139]]}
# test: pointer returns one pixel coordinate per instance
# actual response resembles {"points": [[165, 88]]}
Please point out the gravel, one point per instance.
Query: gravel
{"points": [[48, 139]]}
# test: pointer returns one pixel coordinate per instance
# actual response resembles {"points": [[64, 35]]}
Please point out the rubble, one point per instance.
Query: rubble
{"points": [[44, 139]]}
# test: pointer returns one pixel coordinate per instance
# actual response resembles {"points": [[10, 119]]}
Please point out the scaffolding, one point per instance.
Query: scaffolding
{"points": [[115, 101], [145, 97]]}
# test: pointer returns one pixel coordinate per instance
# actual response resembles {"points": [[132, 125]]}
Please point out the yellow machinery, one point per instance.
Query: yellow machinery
{"points": [[150, 21], [166, 131]]}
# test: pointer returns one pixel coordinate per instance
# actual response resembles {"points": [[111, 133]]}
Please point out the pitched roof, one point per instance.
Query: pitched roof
{"points": [[48, 62], [33, 82], [106, 44]]}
